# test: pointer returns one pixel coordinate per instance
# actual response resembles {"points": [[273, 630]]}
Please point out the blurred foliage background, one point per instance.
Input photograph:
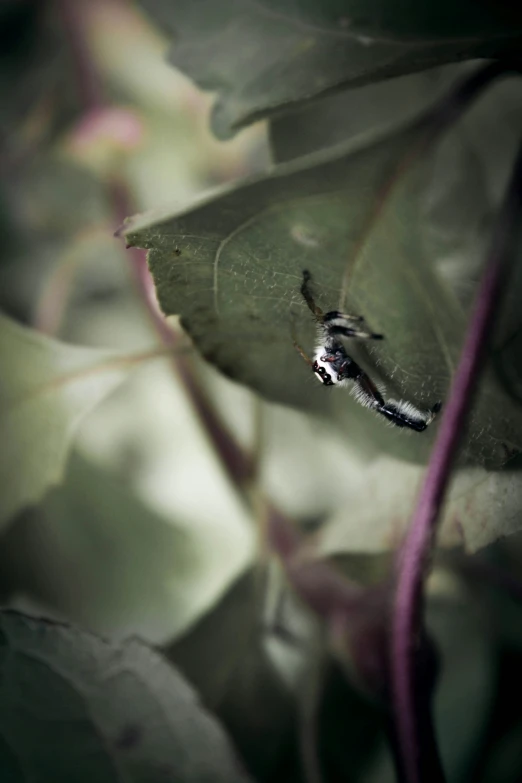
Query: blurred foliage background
{"points": [[143, 532], [67, 275]]}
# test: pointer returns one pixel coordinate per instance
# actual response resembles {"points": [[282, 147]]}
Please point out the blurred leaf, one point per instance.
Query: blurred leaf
{"points": [[28, 58], [226, 659], [466, 679], [493, 579], [76, 708], [504, 761], [500, 759], [45, 389], [52, 204], [359, 112], [268, 56], [231, 264], [349, 728], [480, 507], [314, 472], [94, 552], [56, 197], [37, 94]]}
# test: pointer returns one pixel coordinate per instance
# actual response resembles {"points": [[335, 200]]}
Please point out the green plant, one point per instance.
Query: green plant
{"points": [[305, 623]]}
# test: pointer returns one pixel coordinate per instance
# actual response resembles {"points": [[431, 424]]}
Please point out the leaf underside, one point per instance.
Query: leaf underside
{"points": [[46, 387], [232, 266], [264, 57], [75, 707]]}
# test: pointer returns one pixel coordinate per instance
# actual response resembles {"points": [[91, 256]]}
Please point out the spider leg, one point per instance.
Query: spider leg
{"points": [[298, 348], [308, 297], [333, 315], [336, 323], [365, 391], [349, 331], [402, 414], [303, 354]]}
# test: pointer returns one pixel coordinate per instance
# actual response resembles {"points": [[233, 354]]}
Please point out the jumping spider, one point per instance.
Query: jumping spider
{"points": [[333, 367]]}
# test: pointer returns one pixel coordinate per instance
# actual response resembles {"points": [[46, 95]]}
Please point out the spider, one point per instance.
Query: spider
{"points": [[333, 367]]}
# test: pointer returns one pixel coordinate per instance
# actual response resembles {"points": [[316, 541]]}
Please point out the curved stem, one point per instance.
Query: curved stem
{"points": [[237, 463], [88, 82], [413, 558]]}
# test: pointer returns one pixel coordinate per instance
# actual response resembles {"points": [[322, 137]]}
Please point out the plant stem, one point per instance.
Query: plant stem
{"points": [[239, 465], [236, 462], [413, 558], [88, 81]]}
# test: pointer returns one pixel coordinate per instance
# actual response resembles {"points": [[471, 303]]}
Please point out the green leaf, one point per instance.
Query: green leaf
{"points": [[76, 708], [480, 507], [349, 726], [242, 686], [46, 388], [503, 763], [358, 113], [97, 554], [467, 676], [231, 264], [265, 57], [493, 132], [319, 475]]}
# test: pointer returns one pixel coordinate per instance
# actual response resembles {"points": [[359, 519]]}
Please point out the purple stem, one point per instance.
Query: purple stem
{"points": [[238, 464], [88, 82], [413, 558]]}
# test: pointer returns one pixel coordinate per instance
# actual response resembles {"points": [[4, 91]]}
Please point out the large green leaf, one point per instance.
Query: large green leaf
{"points": [[273, 685], [79, 709], [264, 57], [481, 506], [334, 119], [46, 387], [467, 676], [94, 552], [240, 683], [231, 264]]}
